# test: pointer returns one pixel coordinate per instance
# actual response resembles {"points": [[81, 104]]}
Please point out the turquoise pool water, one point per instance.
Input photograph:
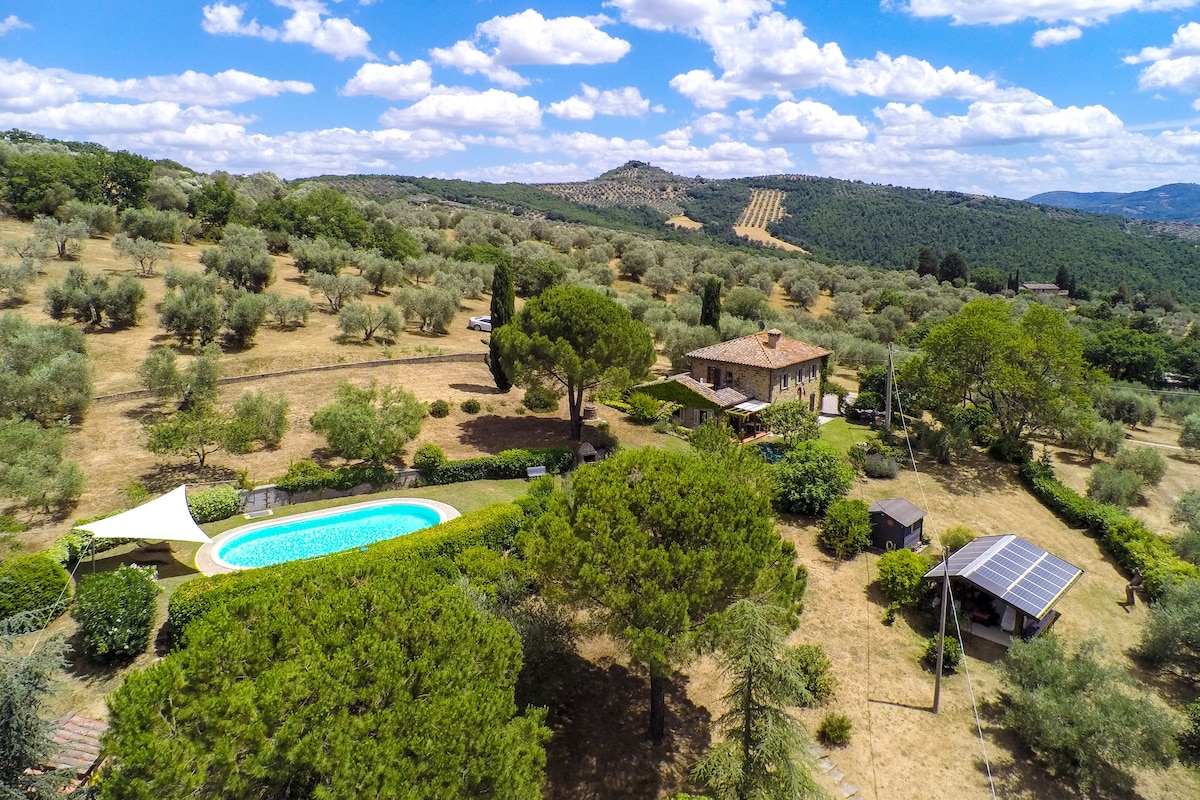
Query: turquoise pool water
{"points": [[321, 535]]}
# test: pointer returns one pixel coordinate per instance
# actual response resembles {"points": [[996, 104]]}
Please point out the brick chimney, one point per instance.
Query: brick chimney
{"points": [[773, 338]]}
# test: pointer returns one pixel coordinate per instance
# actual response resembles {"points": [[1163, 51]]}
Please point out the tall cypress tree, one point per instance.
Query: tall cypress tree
{"points": [[503, 310], [710, 304]]}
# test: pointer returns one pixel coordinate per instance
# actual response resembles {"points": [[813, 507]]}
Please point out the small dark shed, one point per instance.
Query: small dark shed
{"points": [[895, 523]]}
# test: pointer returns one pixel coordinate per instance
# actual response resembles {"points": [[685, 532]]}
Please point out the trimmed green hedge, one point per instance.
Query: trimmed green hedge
{"points": [[215, 503], [507, 464], [493, 527], [76, 544], [1130, 542], [305, 476], [33, 583]]}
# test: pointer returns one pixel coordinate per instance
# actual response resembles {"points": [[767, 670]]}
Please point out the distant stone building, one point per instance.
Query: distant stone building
{"points": [[1043, 288]]}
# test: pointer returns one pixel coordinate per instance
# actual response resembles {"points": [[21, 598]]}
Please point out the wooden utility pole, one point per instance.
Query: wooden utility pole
{"points": [[887, 402], [937, 686]]}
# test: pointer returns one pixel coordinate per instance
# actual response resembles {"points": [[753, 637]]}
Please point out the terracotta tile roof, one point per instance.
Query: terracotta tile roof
{"points": [[76, 742], [754, 351], [725, 397]]}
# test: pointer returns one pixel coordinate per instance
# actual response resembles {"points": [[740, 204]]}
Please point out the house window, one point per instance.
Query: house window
{"points": [[783, 381], [728, 378], [814, 372]]}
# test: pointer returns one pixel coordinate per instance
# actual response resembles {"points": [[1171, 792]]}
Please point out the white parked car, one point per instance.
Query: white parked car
{"points": [[480, 323]]}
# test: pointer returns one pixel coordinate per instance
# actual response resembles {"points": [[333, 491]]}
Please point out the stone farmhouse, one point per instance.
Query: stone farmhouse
{"points": [[741, 377]]}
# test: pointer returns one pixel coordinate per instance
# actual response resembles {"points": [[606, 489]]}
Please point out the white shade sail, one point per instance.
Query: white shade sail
{"points": [[163, 518]]}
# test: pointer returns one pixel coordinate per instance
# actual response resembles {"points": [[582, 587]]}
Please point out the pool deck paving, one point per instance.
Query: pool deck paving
{"points": [[207, 563]]}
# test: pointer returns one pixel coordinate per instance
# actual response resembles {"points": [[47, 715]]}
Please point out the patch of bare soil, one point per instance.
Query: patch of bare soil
{"points": [[762, 237], [684, 221]]}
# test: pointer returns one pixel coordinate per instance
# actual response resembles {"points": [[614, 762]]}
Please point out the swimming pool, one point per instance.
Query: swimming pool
{"points": [[320, 533]]}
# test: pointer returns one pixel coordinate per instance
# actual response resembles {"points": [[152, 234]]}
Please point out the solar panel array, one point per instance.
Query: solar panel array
{"points": [[1010, 568]]}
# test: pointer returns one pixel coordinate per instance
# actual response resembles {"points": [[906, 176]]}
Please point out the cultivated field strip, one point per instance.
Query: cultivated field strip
{"points": [[766, 206]]}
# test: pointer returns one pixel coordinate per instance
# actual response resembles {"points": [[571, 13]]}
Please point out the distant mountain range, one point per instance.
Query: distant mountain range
{"points": [[1175, 202]]}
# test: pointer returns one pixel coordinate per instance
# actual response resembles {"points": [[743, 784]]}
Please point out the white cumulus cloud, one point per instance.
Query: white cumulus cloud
{"points": [[530, 38], [1001, 12], [1060, 35], [771, 56], [394, 82], [1176, 66], [624, 102], [12, 23], [808, 121], [26, 86], [309, 24], [492, 110]]}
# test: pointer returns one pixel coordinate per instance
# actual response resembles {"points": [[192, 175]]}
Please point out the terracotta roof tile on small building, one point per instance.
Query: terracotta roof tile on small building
{"points": [[76, 742], [725, 397], [767, 349]]}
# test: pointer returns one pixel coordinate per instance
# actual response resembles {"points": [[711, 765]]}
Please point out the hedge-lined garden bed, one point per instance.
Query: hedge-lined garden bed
{"points": [[493, 527], [1126, 538], [436, 469]]}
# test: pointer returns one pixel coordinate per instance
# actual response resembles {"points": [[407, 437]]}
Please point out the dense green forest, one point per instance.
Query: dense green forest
{"points": [[886, 227]]}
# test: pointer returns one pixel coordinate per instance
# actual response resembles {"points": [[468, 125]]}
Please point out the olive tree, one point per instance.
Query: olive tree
{"points": [[369, 424]]}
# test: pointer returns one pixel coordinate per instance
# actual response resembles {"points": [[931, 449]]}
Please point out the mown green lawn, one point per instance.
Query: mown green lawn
{"points": [[843, 434]]}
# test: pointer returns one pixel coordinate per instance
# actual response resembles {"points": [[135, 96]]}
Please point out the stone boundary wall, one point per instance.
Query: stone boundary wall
{"points": [[269, 495], [451, 358]]}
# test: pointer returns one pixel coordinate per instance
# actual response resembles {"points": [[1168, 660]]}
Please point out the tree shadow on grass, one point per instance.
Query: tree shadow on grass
{"points": [[475, 388], [599, 715], [492, 433], [166, 477], [1024, 778]]}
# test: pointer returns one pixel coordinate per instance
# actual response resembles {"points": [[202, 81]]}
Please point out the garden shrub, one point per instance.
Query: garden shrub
{"points": [[1118, 487], [901, 576], [813, 661], [76, 544], [846, 529], [889, 613], [34, 586], [428, 458], [115, 611], [951, 655], [502, 466], [305, 476], [876, 465], [1011, 449], [957, 538], [10, 524], [811, 476], [834, 730], [540, 398], [439, 409], [643, 409], [215, 503], [470, 406], [1146, 462], [1126, 538], [1189, 737], [494, 526], [602, 438]]}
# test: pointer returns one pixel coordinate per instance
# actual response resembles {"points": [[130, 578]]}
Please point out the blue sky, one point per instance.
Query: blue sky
{"points": [[1005, 97]]}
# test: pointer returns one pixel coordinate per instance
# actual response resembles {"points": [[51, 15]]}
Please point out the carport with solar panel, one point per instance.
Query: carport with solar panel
{"points": [[1006, 586]]}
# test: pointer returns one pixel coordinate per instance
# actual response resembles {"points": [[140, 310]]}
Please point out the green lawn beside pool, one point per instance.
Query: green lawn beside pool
{"points": [[843, 434]]}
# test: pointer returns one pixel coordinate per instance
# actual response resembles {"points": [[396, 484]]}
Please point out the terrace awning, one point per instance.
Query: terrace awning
{"points": [[751, 406], [163, 518]]}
